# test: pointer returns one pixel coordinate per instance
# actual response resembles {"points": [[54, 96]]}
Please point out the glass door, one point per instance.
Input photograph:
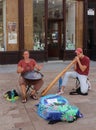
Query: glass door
{"points": [[91, 15], [70, 24], [54, 38], [91, 29], [54, 28]]}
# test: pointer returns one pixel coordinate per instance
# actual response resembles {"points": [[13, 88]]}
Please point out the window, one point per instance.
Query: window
{"points": [[70, 25], [38, 25], [55, 9]]}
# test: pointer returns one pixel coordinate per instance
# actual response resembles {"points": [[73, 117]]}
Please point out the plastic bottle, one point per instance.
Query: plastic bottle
{"points": [[12, 96], [60, 83]]}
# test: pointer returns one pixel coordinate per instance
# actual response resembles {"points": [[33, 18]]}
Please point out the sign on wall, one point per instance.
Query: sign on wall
{"points": [[12, 33], [91, 12]]}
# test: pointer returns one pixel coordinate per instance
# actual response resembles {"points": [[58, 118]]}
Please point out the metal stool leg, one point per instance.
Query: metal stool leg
{"points": [[89, 84], [29, 87], [77, 83]]}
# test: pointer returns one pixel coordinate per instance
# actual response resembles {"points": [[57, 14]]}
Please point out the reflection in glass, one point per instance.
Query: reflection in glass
{"points": [[38, 25], [55, 9], [70, 24], [52, 33]]}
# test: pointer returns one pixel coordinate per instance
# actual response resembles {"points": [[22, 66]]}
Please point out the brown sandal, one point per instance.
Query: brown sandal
{"points": [[34, 97], [24, 100]]}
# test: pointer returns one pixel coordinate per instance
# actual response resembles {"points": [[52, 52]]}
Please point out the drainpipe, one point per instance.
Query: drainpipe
{"points": [[46, 29], [21, 23]]}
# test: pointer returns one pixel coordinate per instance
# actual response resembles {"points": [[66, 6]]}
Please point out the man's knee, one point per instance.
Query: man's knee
{"points": [[81, 92], [22, 81], [84, 92]]}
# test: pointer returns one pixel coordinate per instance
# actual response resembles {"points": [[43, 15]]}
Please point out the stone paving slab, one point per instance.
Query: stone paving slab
{"points": [[18, 116]]}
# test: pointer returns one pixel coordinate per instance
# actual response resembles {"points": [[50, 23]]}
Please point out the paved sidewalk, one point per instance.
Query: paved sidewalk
{"points": [[18, 116]]}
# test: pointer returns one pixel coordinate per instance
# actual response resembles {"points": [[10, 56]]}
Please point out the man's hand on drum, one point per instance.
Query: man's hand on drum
{"points": [[39, 67]]}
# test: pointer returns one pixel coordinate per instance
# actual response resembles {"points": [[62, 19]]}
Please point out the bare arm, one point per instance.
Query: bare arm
{"points": [[20, 69], [38, 67], [82, 67]]}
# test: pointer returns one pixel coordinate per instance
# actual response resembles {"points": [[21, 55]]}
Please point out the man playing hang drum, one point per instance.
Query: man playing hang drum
{"points": [[26, 65]]}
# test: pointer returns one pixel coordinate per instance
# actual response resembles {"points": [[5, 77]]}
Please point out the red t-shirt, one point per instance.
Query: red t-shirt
{"points": [[84, 61], [27, 66]]}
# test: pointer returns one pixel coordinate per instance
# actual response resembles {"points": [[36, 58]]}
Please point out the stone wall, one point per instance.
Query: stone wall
{"points": [[11, 17], [79, 24], [28, 24]]}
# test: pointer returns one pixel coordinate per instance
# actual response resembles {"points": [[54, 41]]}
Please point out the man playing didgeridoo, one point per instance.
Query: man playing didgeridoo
{"points": [[81, 71]]}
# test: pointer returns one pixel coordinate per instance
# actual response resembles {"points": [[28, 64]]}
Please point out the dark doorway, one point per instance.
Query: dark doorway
{"points": [[91, 28], [55, 38], [91, 12]]}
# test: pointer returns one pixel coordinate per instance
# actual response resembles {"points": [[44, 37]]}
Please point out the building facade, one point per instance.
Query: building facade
{"points": [[49, 29]]}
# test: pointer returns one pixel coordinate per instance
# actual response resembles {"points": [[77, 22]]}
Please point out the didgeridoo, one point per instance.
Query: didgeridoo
{"points": [[57, 77]]}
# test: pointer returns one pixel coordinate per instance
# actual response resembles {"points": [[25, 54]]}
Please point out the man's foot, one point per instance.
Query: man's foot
{"points": [[60, 93], [24, 100], [73, 93], [78, 92], [34, 97]]}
